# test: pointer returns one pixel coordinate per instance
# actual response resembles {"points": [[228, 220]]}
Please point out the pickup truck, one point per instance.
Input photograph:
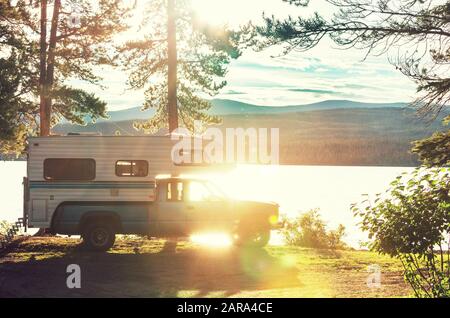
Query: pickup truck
{"points": [[181, 207]]}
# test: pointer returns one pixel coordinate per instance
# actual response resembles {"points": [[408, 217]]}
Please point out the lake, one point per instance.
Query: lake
{"points": [[295, 188]]}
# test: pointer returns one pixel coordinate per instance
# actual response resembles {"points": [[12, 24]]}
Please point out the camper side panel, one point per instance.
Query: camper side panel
{"points": [[46, 195]]}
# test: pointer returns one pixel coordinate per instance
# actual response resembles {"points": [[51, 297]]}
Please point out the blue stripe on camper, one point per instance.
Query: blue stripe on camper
{"points": [[91, 185]]}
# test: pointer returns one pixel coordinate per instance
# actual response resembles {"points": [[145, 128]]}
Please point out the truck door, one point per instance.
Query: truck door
{"points": [[171, 215], [205, 211]]}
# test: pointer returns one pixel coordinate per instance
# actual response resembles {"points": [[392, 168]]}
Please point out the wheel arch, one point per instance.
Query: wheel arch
{"points": [[101, 216], [86, 218]]}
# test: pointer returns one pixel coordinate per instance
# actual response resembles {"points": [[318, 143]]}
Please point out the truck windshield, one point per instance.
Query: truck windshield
{"points": [[215, 190], [200, 190]]}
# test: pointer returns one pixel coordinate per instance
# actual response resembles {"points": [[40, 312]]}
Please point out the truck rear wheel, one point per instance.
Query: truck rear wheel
{"points": [[258, 238], [99, 237]]}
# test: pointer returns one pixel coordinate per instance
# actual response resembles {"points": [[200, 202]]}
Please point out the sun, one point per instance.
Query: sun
{"points": [[218, 12], [206, 11]]}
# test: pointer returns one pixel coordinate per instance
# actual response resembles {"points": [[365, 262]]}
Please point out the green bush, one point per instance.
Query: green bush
{"points": [[411, 222], [309, 230], [4, 227]]}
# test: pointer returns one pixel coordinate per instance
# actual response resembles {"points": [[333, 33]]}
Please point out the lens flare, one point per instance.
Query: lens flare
{"points": [[212, 239]]}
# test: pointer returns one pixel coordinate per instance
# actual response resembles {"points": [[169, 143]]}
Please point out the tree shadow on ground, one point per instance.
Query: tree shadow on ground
{"points": [[165, 272]]}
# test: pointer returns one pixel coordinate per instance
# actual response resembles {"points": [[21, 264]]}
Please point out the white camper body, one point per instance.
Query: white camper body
{"points": [[91, 164]]}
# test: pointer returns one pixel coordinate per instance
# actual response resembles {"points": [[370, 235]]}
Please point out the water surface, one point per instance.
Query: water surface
{"points": [[296, 188]]}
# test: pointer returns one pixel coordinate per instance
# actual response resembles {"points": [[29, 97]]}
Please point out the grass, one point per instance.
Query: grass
{"points": [[137, 267]]}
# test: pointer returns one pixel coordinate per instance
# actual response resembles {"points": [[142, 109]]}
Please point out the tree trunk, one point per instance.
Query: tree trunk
{"points": [[44, 120], [172, 66], [51, 57]]}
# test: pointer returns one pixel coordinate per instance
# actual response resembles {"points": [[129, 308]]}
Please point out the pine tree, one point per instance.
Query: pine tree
{"points": [[180, 70], [46, 44], [435, 150]]}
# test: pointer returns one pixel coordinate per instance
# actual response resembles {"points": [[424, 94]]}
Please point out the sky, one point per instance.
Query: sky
{"points": [[323, 73]]}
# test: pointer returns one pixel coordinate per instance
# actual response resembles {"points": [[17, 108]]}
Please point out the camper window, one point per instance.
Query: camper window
{"points": [[59, 169], [131, 168]]}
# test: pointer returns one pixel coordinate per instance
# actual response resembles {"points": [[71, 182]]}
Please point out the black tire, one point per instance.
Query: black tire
{"points": [[257, 238], [99, 237]]}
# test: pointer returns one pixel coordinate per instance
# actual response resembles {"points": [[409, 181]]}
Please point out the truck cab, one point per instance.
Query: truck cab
{"points": [[181, 207]]}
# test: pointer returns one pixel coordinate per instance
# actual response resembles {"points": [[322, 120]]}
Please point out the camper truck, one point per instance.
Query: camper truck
{"points": [[100, 186]]}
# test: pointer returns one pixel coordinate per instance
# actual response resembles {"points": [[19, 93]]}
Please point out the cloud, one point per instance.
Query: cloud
{"points": [[311, 90], [233, 92], [266, 78], [321, 73]]}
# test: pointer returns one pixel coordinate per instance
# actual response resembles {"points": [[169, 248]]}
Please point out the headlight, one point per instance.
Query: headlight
{"points": [[273, 219]]}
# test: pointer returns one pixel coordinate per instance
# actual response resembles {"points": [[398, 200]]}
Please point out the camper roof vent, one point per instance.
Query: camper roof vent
{"points": [[84, 134]]}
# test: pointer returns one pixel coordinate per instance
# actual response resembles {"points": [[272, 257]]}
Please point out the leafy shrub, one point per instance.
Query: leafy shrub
{"points": [[411, 222], [4, 227], [309, 230]]}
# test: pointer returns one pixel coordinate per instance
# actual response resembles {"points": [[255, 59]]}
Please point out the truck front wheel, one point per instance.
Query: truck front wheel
{"points": [[258, 238], [98, 237]]}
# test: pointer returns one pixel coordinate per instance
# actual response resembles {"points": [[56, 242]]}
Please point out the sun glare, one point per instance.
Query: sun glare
{"points": [[207, 12], [212, 239], [216, 12]]}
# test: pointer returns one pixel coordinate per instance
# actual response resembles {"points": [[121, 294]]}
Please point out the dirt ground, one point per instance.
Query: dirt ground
{"points": [[136, 267]]}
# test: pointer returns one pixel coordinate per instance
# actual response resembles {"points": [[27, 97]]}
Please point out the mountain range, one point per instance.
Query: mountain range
{"points": [[332, 132], [223, 107]]}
